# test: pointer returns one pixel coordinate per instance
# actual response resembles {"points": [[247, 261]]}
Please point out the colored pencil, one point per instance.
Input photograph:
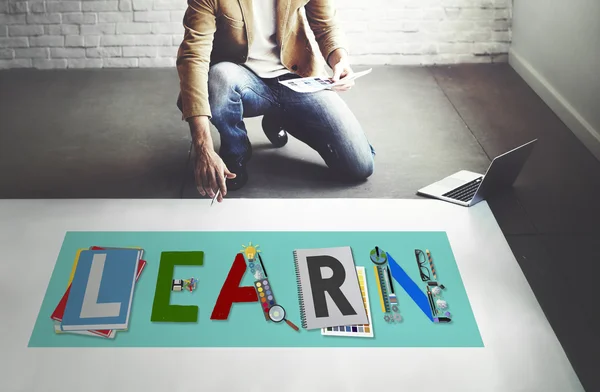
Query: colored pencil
{"points": [[379, 289], [431, 265]]}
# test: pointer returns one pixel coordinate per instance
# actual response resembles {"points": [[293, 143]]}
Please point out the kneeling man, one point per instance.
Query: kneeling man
{"points": [[233, 55]]}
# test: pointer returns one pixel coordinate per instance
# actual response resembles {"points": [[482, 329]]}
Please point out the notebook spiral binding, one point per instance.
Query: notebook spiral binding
{"points": [[300, 296]]}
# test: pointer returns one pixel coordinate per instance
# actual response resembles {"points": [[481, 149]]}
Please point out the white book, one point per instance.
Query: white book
{"points": [[328, 288]]}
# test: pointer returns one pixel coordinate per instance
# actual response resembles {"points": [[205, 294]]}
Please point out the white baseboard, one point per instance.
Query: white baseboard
{"points": [[582, 129]]}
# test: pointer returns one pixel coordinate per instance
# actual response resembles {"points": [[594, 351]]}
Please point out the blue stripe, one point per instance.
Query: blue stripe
{"points": [[410, 287]]}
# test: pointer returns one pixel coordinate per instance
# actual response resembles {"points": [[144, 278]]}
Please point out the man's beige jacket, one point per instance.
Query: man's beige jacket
{"points": [[221, 30]]}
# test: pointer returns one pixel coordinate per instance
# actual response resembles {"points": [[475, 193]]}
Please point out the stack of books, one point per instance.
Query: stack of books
{"points": [[99, 294]]}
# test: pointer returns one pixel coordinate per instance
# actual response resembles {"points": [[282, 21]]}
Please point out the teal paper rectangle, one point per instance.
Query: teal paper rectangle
{"points": [[246, 325]]}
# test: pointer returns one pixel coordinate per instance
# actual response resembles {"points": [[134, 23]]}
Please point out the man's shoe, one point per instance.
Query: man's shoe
{"points": [[238, 167], [272, 126], [241, 175]]}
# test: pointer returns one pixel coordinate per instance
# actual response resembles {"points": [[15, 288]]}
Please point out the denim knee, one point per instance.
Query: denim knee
{"points": [[362, 169], [222, 87], [356, 166]]}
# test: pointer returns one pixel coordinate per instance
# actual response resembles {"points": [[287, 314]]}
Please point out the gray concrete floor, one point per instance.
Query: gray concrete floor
{"points": [[118, 134]]}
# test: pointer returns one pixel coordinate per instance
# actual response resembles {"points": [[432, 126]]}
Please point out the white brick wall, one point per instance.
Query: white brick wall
{"points": [[146, 33]]}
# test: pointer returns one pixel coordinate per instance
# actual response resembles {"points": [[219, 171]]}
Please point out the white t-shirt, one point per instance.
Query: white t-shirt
{"points": [[263, 56]]}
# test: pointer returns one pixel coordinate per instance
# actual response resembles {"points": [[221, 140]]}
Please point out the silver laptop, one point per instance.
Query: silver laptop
{"points": [[467, 188]]}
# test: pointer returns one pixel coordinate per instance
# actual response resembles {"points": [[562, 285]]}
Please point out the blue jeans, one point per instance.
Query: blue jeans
{"points": [[322, 120]]}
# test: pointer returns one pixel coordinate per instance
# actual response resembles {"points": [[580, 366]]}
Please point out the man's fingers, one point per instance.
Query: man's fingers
{"points": [[229, 174], [337, 73], [200, 188], [203, 186], [347, 82], [211, 184], [344, 86], [344, 80], [222, 185], [199, 184], [206, 183]]}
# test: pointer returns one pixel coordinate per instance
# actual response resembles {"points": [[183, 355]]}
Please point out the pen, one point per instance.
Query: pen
{"points": [[390, 280], [262, 265], [215, 198], [393, 298], [431, 303]]}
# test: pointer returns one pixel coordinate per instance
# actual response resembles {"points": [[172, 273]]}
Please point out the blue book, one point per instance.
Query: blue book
{"points": [[102, 290]]}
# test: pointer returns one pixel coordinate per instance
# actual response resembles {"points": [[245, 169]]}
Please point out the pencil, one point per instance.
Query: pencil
{"points": [[431, 264], [262, 265], [215, 198]]}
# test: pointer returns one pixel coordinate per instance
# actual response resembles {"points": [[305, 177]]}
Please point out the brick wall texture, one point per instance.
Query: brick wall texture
{"points": [[146, 33]]}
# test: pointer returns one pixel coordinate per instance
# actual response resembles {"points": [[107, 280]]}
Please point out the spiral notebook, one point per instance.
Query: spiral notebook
{"points": [[328, 288]]}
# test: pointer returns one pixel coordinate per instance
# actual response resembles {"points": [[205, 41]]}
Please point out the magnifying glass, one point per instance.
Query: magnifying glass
{"points": [[277, 314]]}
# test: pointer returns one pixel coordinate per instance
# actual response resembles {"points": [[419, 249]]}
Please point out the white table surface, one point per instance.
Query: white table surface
{"points": [[521, 351]]}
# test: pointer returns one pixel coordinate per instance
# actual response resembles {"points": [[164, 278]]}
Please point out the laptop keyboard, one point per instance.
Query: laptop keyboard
{"points": [[464, 192]]}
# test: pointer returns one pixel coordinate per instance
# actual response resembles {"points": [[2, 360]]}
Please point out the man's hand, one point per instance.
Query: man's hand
{"points": [[211, 173], [340, 64], [209, 170]]}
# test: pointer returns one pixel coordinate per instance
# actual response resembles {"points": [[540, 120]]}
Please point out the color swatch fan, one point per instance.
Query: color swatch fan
{"points": [[365, 330]]}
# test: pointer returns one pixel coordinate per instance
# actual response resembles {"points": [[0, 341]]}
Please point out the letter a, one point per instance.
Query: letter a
{"points": [[232, 292]]}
